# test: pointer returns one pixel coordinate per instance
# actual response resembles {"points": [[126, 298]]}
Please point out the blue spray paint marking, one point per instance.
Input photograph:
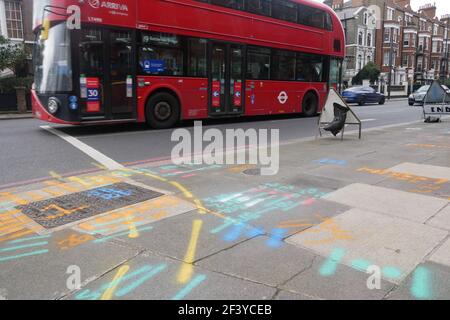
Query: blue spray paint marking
{"points": [[94, 295], [234, 233], [190, 286], [391, 272], [109, 193], [328, 268], [255, 232], [332, 161], [33, 253], [138, 283], [120, 234], [276, 238], [420, 287]]}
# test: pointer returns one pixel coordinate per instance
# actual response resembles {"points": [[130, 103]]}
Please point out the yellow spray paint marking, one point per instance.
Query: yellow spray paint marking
{"points": [[56, 176], [134, 233], [155, 177], [16, 235], [80, 181], [62, 186], [53, 193], [180, 187], [185, 273], [109, 293], [13, 198], [200, 207], [99, 166]]}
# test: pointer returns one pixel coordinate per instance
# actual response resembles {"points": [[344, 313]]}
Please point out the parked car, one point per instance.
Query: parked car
{"points": [[362, 95], [419, 95]]}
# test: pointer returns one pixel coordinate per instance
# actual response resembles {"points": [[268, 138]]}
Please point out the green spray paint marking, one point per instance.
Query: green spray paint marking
{"points": [[420, 284], [361, 265], [329, 267], [391, 272]]}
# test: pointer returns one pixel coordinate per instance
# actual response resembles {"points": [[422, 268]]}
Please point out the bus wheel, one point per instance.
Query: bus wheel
{"points": [[163, 111], [310, 104]]}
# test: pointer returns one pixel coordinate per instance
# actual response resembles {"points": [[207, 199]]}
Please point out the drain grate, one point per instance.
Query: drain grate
{"points": [[56, 212]]}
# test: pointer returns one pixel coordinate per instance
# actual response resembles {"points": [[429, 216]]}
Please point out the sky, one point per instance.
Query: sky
{"points": [[442, 5]]}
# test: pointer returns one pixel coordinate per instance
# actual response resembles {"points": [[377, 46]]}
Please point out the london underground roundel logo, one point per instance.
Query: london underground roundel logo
{"points": [[94, 4], [283, 97]]}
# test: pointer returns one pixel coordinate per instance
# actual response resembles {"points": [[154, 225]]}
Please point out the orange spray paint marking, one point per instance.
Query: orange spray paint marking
{"points": [[64, 212], [13, 198], [74, 240]]}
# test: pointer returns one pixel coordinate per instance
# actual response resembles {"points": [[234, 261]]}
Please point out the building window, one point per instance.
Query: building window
{"points": [[13, 14], [387, 35], [366, 18], [390, 14], [360, 38], [369, 39], [386, 58]]}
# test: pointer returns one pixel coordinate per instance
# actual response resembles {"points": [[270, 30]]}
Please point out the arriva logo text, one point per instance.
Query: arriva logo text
{"points": [[108, 5]]}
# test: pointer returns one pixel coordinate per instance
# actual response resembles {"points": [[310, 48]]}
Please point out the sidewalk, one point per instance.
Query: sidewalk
{"points": [[15, 115], [225, 232]]}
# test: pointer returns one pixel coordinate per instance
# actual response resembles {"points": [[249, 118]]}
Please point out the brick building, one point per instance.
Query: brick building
{"points": [[16, 22], [414, 46]]}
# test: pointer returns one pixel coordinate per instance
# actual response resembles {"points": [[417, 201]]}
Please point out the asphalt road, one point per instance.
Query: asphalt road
{"points": [[30, 153]]}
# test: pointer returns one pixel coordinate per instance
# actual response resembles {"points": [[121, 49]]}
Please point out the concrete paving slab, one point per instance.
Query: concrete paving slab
{"points": [[172, 237], [395, 244], [442, 254], [441, 220], [135, 216], [337, 283], [415, 207], [286, 295], [261, 260], [423, 170], [345, 174], [427, 187], [429, 281], [157, 278], [36, 267]]}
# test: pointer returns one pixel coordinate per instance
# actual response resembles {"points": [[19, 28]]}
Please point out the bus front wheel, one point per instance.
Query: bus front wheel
{"points": [[163, 111], [310, 104]]}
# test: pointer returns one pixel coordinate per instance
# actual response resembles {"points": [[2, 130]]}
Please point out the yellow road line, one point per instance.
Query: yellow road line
{"points": [[108, 294], [186, 270]]}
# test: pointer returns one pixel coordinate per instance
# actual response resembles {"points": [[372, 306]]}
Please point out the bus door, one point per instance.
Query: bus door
{"points": [[226, 79], [107, 91]]}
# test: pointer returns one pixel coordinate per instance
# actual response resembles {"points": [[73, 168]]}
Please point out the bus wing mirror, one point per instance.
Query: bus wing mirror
{"points": [[45, 29]]}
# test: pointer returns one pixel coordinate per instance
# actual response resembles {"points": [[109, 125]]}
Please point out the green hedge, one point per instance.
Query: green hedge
{"points": [[7, 85]]}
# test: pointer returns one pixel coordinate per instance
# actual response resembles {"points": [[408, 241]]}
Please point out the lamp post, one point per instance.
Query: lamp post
{"points": [[390, 63]]}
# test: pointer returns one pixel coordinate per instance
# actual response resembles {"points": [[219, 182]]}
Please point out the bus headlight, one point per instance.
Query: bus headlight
{"points": [[53, 105]]}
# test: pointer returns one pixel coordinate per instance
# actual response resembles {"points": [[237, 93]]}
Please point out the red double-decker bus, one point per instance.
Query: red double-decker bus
{"points": [[162, 61]]}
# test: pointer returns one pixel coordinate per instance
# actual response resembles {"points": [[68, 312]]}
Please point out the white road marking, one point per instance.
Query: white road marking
{"points": [[109, 163], [368, 120]]}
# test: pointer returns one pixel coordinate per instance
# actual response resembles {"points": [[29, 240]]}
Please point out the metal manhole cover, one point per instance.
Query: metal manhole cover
{"points": [[63, 210], [252, 172]]}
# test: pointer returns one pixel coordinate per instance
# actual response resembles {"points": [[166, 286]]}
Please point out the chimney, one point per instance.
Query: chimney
{"points": [[429, 10], [446, 19], [403, 3], [337, 4]]}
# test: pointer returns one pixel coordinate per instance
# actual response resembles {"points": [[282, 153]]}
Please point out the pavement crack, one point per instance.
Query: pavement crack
{"points": [[95, 278]]}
